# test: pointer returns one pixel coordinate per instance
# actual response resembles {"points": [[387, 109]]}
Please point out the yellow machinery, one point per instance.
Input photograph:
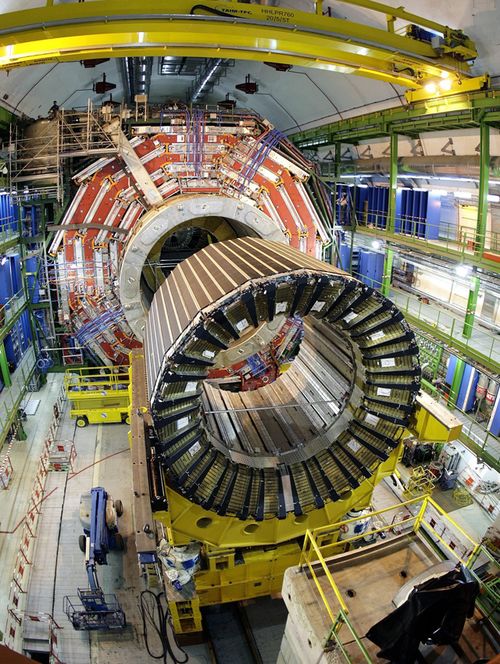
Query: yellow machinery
{"points": [[241, 559], [98, 394], [429, 59]]}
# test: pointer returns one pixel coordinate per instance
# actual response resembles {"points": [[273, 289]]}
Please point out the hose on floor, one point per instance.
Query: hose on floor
{"points": [[156, 618]]}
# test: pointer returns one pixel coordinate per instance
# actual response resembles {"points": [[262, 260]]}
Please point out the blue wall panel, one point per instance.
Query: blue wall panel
{"points": [[494, 423], [450, 370], [370, 267], [6, 290], [344, 258], [467, 392]]}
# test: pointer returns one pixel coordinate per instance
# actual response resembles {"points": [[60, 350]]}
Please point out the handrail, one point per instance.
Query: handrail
{"points": [[309, 538], [335, 526], [312, 555]]}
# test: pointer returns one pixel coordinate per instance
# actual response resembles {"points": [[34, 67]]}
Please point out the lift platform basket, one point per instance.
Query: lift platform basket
{"points": [[92, 613]]}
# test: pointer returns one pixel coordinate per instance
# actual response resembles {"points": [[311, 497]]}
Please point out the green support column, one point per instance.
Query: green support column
{"points": [[386, 277], [455, 384], [20, 432], [4, 366], [393, 184], [484, 177], [471, 307], [336, 172]]}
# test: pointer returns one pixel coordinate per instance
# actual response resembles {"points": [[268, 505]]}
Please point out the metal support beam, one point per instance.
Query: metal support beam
{"points": [[393, 183], [459, 112], [110, 28], [337, 151], [4, 366], [484, 177], [387, 276], [456, 382], [471, 307], [138, 171]]}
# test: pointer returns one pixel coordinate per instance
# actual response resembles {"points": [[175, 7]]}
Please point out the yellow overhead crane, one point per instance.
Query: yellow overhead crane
{"points": [[429, 59]]}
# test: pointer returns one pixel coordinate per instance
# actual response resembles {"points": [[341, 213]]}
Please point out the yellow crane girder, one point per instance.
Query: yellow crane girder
{"points": [[228, 29]]}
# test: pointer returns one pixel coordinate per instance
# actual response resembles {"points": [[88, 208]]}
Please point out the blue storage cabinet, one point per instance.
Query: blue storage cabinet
{"points": [[15, 271], [370, 267], [494, 421], [8, 213], [467, 391], [433, 215], [372, 204], [418, 213], [378, 206], [26, 335], [362, 204], [344, 257], [450, 369], [6, 286]]}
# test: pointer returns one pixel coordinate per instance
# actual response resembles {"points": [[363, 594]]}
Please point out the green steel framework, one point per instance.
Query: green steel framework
{"points": [[477, 110], [457, 112]]}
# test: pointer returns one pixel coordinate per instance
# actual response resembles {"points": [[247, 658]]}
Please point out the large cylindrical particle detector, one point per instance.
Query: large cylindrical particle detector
{"points": [[222, 297]]}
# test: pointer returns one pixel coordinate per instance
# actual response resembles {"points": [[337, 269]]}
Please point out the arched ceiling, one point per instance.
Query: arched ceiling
{"points": [[298, 99]]}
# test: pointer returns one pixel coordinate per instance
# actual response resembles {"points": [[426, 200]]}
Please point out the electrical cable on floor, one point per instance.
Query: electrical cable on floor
{"points": [[153, 614]]}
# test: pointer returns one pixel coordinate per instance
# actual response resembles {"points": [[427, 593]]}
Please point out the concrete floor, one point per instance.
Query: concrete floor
{"points": [[14, 500], [103, 458]]}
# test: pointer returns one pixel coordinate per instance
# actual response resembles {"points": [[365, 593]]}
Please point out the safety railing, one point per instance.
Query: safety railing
{"points": [[16, 606], [20, 576], [6, 469], [486, 568], [9, 230], [81, 379], [420, 308], [481, 345], [12, 307], [460, 241], [420, 516], [10, 398]]}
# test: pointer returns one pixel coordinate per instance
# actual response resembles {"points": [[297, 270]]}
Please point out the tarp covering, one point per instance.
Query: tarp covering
{"points": [[435, 611]]}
